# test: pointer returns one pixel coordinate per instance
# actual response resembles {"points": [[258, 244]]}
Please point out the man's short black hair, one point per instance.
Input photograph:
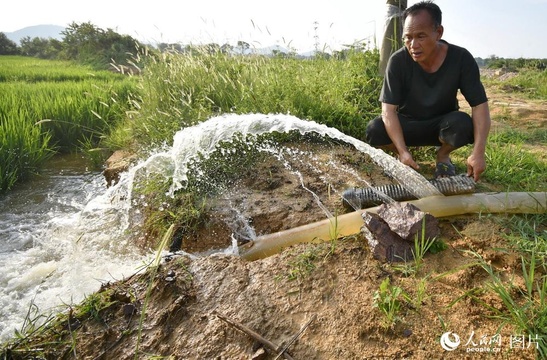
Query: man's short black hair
{"points": [[432, 8]]}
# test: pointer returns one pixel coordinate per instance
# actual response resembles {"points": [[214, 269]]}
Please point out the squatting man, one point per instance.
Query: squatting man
{"points": [[419, 97]]}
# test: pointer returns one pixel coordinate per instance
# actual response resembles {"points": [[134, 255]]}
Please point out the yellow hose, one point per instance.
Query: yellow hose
{"points": [[438, 206]]}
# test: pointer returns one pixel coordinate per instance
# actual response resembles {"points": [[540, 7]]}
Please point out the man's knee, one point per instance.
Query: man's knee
{"points": [[457, 129], [376, 134]]}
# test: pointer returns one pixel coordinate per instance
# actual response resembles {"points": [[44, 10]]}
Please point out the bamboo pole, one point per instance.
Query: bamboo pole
{"points": [[393, 29], [438, 206]]}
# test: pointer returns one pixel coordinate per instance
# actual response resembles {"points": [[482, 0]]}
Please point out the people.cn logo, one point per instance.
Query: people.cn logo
{"points": [[450, 341]]}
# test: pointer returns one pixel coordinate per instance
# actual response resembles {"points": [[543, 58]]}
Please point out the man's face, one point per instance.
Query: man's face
{"points": [[420, 36]]}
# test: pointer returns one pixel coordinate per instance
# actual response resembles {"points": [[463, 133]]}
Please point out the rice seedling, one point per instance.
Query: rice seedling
{"points": [[48, 106], [34, 70], [25, 146]]}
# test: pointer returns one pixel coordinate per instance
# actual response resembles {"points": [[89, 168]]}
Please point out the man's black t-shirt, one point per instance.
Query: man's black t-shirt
{"points": [[422, 95]]}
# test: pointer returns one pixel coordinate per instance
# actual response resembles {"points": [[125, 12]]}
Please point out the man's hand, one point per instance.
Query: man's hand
{"points": [[476, 164], [406, 158], [395, 133]]}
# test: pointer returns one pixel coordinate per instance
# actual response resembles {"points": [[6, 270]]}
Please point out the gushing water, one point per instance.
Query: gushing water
{"points": [[59, 241], [205, 136], [61, 247], [298, 174]]}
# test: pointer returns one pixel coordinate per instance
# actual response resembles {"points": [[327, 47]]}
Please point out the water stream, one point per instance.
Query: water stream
{"points": [[65, 233], [58, 242]]}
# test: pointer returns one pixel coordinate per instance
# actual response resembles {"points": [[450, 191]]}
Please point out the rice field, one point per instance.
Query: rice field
{"points": [[53, 106]]}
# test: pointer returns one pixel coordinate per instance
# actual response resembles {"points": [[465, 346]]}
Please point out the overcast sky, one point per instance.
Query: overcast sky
{"points": [[504, 28]]}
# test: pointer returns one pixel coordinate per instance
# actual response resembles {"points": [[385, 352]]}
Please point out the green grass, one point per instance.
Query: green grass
{"points": [[52, 106], [512, 162], [152, 270], [525, 309], [304, 263], [527, 233], [533, 83], [180, 90], [515, 168]]}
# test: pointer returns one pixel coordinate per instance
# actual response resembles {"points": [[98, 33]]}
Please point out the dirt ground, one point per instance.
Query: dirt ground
{"points": [[176, 312]]}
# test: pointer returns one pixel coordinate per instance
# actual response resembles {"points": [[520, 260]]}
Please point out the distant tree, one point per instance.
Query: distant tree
{"points": [[519, 63], [242, 46], [80, 40], [539, 64], [90, 44], [279, 54], [495, 62], [322, 55], [162, 47], [7, 47], [40, 47], [227, 48]]}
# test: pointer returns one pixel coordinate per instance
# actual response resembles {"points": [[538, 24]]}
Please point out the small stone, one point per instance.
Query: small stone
{"points": [[260, 354], [407, 332], [129, 309], [118, 162], [384, 244], [407, 221]]}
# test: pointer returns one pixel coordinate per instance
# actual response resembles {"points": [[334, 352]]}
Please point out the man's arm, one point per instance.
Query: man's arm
{"points": [[395, 133], [476, 162]]}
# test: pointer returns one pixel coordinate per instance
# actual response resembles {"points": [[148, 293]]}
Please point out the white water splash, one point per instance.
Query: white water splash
{"points": [[69, 255], [61, 247], [205, 136]]}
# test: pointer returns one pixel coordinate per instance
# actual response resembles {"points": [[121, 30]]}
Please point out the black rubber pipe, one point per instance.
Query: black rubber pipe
{"points": [[361, 198]]}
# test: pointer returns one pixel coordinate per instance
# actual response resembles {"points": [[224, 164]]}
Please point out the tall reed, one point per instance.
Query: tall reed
{"points": [[182, 89]]}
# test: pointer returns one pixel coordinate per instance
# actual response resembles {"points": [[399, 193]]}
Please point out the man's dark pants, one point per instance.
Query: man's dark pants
{"points": [[455, 128]]}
